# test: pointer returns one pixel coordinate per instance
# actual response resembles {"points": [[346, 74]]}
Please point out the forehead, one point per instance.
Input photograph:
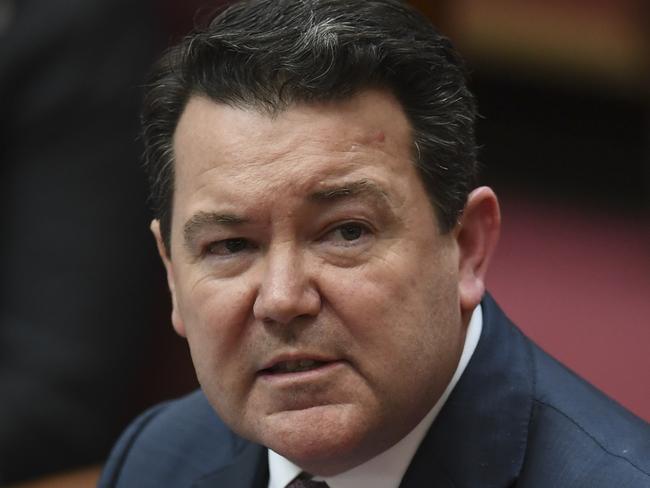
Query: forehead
{"points": [[236, 140], [244, 161]]}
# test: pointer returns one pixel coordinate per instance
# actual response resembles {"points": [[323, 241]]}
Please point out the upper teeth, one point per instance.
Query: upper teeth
{"points": [[293, 366]]}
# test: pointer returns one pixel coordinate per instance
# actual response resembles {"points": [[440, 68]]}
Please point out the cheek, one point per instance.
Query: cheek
{"points": [[402, 312], [412, 281], [215, 316]]}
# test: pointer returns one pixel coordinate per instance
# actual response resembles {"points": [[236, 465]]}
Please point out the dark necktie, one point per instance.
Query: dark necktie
{"points": [[304, 481]]}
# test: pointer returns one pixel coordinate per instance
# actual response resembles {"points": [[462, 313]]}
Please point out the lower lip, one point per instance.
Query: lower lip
{"points": [[309, 375]]}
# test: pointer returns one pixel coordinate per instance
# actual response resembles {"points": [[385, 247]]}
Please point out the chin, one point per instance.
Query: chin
{"points": [[320, 439]]}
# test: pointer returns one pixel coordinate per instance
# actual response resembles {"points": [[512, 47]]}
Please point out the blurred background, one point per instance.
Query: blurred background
{"points": [[564, 92], [85, 337]]}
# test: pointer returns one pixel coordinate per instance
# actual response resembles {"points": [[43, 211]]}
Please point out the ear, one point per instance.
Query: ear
{"points": [[476, 234], [165, 255]]}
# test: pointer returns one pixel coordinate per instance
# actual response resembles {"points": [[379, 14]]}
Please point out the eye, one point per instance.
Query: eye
{"points": [[228, 247], [351, 231], [348, 233]]}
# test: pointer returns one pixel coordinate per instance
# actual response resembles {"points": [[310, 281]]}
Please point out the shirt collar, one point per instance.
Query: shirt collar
{"points": [[387, 468]]}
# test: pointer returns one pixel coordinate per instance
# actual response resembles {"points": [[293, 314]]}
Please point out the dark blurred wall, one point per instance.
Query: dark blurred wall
{"points": [[80, 285]]}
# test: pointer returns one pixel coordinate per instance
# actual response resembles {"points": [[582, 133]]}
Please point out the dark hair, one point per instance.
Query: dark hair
{"points": [[270, 54]]}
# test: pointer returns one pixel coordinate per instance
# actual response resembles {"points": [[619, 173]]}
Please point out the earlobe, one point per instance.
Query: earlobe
{"points": [[165, 256], [477, 234]]}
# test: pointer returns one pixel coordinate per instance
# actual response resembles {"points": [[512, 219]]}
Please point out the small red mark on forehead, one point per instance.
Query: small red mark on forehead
{"points": [[380, 137]]}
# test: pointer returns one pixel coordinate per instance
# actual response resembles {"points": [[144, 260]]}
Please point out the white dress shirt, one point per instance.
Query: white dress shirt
{"points": [[386, 469]]}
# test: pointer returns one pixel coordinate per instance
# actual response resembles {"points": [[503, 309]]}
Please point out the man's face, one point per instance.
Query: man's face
{"points": [[319, 299]]}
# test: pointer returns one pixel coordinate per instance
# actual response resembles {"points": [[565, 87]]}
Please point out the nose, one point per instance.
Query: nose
{"points": [[286, 290]]}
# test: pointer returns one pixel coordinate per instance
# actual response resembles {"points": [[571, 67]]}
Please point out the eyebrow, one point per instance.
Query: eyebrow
{"points": [[200, 220], [361, 188], [366, 189]]}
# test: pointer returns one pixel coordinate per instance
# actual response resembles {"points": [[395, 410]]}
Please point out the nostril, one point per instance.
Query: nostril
{"points": [[272, 307]]}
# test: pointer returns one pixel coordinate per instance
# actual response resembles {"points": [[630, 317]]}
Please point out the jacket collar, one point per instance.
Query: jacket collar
{"points": [[480, 435], [249, 469]]}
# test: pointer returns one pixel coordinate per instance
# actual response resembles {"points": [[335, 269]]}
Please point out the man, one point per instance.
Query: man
{"points": [[313, 166]]}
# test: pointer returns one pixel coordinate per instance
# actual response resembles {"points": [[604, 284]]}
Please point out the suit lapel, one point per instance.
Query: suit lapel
{"points": [[480, 435], [423, 473], [249, 470]]}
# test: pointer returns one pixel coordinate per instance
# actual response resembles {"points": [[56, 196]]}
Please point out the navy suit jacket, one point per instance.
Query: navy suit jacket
{"points": [[516, 418]]}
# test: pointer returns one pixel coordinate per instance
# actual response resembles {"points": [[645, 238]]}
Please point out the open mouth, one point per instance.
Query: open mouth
{"points": [[295, 366]]}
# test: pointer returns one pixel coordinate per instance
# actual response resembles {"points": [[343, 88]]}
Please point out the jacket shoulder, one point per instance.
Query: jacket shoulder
{"points": [[172, 444], [582, 436]]}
